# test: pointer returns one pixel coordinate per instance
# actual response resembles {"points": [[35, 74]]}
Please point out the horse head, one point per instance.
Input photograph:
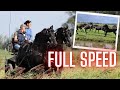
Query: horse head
{"points": [[51, 36], [105, 27], [66, 36], [46, 36]]}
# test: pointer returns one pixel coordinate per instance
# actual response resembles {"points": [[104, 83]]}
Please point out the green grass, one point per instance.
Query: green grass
{"points": [[67, 73], [95, 37], [91, 73], [3, 54]]}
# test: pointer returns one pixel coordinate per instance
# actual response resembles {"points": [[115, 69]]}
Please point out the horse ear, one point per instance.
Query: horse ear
{"points": [[51, 27]]}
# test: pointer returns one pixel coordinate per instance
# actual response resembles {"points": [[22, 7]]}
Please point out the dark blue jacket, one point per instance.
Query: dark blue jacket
{"points": [[21, 37]]}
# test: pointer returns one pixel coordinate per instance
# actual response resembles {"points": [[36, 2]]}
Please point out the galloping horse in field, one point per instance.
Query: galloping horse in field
{"points": [[88, 26], [106, 29]]}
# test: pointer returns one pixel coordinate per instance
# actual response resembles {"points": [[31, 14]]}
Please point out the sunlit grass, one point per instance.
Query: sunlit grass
{"points": [[3, 55], [95, 36]]}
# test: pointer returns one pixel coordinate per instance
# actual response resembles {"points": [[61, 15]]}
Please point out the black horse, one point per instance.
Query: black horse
{"points": [[33, 54], [63, 35], [97, 28], [106, 29], [88, 26], [80, 27]]}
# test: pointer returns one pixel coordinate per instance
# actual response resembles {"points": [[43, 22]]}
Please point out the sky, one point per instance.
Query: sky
{"points": [[40, 20], [97, 19]]}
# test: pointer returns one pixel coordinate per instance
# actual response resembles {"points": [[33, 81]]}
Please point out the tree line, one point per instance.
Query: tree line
{"points": [[71, 20], [4, 41]]}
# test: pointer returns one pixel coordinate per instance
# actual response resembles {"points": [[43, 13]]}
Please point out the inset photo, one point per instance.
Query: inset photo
{"points": [[95, 31]]}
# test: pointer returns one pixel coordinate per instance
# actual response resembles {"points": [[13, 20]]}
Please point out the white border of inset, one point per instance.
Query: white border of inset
{"points": [[99, 14]]}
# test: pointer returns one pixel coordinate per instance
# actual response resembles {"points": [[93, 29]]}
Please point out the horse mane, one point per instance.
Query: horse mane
{"points": [[59, 29], [40, 36], [106, 26]]}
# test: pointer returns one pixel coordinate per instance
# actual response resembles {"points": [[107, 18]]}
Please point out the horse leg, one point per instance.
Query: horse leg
{"points": [[95, 30], [89, 29], [86, 31], [98, 31], [114, 33], [82, 30], [105, 34]]}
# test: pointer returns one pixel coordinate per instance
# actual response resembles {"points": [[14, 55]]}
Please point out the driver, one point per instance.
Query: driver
{"points": [[19, 37]]}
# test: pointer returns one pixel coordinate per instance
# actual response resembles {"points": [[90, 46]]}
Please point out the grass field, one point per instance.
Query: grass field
{"points": [[95, 36], [74, 73]]}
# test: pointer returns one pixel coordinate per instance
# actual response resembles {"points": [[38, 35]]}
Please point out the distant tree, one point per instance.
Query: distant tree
{"points": [[71, 19], [6, 41]]}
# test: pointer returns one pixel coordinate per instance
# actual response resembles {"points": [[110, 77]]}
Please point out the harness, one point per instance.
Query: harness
{"points": [[26, 55]]}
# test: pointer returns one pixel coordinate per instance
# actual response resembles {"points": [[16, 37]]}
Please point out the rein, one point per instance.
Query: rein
{"points": [[25, 56]]}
